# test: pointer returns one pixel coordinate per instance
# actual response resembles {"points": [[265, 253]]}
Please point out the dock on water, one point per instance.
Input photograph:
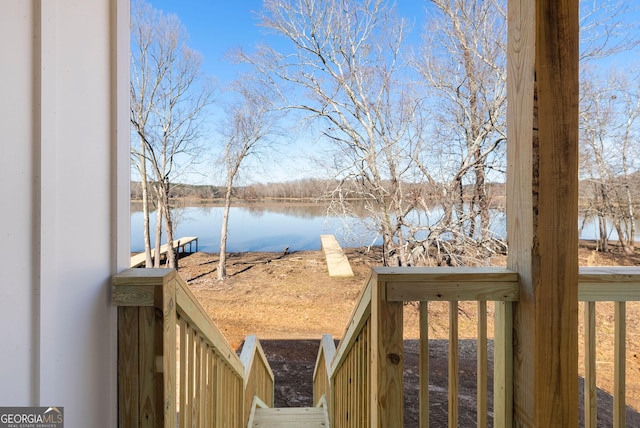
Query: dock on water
{"points": [[336, 260], [179, 244]]}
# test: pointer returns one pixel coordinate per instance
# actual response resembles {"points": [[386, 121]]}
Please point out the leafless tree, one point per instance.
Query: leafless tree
{"points": [[345, 73], [609, 126], [247, 128], [607, 28], [407, 146], [464, 66], [610, 158], [168, 99], [464, 69]]}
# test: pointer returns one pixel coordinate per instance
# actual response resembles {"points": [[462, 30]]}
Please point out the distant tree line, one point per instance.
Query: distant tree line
{"points": [[176, 191], [309, 190]]}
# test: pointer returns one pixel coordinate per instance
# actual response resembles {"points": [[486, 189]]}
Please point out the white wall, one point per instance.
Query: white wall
{"points": [[64, 216]]}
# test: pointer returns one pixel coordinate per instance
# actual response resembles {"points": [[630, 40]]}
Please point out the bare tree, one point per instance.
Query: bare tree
{"points": [[405, 148], [344, 72], [463, 63], [610, 155], [607, 28], [609, 125], [464, 69], [247, 127], [168, 99]]}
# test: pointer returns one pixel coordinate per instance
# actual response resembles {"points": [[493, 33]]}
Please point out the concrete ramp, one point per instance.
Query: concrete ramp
{"points": [[336, 260]]}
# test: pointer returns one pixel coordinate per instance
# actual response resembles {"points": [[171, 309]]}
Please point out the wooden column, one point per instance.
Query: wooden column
{"points": [[387, 359], [542, 196]]}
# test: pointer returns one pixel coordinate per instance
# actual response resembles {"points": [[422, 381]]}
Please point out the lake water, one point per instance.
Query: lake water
{"points": [[272, 228], [254, 228]]}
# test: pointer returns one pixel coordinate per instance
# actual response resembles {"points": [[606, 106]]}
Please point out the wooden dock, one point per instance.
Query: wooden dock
{"points": [[336, 260], [180, 244]]}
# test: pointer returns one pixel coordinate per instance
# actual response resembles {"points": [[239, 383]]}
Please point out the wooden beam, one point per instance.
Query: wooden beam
{"points": [[542, 184], [387, 358], [451, 291], [448, 284]]}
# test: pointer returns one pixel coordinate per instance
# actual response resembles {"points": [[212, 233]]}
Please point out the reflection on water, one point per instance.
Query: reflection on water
{"points": [[256, 228], [273, 227]]}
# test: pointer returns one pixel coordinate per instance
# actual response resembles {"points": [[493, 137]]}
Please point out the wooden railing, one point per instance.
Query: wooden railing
{"points": [[345, 380], [321, 385], [453, 286], [365, 378], [606, 284], [363, 383], [174, 365], [258, 377]]}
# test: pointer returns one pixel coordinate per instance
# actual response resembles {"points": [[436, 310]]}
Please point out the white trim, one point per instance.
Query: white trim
{"points": [[121, 150], [46, 180]]}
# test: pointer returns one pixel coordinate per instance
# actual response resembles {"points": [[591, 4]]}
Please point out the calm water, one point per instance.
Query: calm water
{"points": [[274, 228], [254, 229]]}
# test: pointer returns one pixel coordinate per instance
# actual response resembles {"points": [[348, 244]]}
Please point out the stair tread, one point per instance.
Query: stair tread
{"points": [[291, 417]]}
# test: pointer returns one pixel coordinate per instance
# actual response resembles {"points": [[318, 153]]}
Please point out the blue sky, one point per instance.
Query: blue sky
{"points": [[215, 27]]}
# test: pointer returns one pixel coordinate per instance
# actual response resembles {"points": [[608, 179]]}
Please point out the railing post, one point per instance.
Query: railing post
{"points": [[542, 207], [169, 355], [386, 359], [503, 365], [146, 333]]}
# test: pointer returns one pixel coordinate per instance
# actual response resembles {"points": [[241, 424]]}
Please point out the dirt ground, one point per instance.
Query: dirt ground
{"points": [[289, 301]]}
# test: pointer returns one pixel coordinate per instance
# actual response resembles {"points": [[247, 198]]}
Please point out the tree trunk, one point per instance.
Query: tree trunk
{"points": [[171, 255], [145, 205], [158, 244], [481, 198], [222, 263]]}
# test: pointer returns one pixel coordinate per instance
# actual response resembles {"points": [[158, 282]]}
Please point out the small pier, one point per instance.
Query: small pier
{"points": [[336, 260], [179, 244]]}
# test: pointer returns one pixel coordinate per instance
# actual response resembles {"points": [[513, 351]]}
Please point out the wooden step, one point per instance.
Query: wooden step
{"points": [[312, 417]]}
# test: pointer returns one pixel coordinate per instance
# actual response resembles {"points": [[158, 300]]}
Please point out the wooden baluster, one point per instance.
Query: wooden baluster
{"points": [[453, 364], [424, 365], [619, 387], [482, 376], [590, 398]]}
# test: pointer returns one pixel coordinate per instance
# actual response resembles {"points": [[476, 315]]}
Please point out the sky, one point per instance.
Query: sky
{"points": [[215, 27]]}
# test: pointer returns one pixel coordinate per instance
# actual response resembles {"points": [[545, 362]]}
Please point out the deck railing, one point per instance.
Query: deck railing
{"points": [[606, 284], [174, 365], [363, 383]]}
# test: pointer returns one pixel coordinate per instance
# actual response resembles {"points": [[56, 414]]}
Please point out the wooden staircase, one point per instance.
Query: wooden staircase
{"points": [[311, 417]]}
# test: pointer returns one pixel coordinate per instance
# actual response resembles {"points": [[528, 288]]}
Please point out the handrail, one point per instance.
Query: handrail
{"points": [[609, 284], [174, 364], [359, 317], [606, 284], [366, 372], [347, 399], [350, 380], [258, 376], [322, 370]]}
